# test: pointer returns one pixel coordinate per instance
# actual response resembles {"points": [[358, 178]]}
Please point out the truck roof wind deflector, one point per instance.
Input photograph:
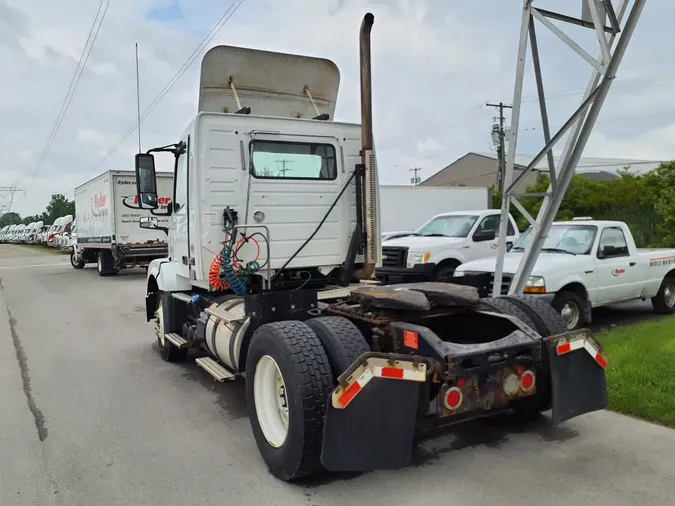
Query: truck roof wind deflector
{"points": [[269, 83]]}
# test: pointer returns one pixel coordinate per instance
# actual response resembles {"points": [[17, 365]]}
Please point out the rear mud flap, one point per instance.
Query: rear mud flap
{"points": [[578, 383], [376, 429]]}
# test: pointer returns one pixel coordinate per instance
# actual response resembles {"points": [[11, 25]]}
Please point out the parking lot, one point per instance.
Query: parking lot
{"points": [[91, 415]]}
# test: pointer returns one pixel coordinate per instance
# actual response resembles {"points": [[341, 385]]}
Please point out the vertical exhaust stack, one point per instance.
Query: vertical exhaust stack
{"points": [[370, 184]]}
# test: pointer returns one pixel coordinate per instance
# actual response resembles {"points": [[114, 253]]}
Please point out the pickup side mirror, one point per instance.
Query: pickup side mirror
{"points": [[484, 235], [146, 181]]}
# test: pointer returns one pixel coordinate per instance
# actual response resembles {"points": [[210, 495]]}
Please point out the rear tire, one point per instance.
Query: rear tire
{"points": [[548, 322], [105, 263], [501, 305], [664, 301], [307, 381], [341, 339], [74, 262]]}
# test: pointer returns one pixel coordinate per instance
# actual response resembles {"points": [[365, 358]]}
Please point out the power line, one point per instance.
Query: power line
{"points": [[75, 80], [209, 37]]}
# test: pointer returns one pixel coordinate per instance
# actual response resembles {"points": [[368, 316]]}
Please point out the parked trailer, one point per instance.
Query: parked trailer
{"points": [[339, 376], [406, 208], [108, 220]]}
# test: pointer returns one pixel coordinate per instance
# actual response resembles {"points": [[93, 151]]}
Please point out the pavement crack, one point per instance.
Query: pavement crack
{"points": [[38, 417]]}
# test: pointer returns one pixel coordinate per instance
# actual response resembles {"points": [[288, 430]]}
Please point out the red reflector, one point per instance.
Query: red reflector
{"points": [[602, 361], [349, 394], [454, 398], [461, 382], [391, 372], [411, 339], [564, 348], [520, 370]]}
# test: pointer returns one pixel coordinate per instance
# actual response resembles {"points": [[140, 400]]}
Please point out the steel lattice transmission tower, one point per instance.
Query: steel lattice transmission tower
{"points": [[7, 198], [606, 18]]}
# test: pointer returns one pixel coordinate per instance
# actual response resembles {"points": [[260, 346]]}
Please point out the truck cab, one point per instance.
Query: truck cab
{"points": [[268, 156], [438, 247]]}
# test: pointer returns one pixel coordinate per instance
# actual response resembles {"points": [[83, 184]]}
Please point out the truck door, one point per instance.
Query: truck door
{"points": [[617, 272], [180, 229], [481, 249]]}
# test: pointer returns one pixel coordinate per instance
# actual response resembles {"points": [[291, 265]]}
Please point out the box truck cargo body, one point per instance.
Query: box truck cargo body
{"points": [[108, 217], [406, 208]]}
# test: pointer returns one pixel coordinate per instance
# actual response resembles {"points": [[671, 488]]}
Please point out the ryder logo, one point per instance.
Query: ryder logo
{"points": [[131, 201], [98, 205], [618, 272]]}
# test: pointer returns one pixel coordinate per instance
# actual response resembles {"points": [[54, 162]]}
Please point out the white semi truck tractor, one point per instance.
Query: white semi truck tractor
{"points": [[272, 237]]}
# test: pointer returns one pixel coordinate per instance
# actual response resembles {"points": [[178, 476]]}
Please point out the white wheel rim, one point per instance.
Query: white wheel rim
{"points": [[159, 323], [271, 402], [99, 264]]}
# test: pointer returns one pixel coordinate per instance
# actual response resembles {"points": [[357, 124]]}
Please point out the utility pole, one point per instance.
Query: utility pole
{"points": [[284, 170], [7, 198], [498, 130], [415, 179]]}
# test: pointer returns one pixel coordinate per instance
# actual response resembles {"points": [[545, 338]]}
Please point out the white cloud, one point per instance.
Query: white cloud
{"points": [[435, 62]]}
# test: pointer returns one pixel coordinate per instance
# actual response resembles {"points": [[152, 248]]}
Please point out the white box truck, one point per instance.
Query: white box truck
{"points": [[108, 217], [406, 208]]}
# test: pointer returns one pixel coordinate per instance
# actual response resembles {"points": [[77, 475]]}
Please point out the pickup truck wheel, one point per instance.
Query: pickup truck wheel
{"points": [[288, 386], [77, 264], [445, 273], [341, 339], [571, 308], [664, 302]]}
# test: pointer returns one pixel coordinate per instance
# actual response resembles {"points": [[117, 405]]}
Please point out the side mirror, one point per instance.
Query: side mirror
{"points": [[149, 222], [146, 182], [608, 251], [484, 235]]}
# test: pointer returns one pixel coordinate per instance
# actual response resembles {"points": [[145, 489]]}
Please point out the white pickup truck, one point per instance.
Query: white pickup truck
{"points": [[447, 240], [586, 264]]}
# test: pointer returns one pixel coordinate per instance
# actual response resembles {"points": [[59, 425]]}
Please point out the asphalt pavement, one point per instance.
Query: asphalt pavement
{"points": [[92, 416]]}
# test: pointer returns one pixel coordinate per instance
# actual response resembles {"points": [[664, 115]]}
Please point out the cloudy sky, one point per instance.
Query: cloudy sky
{"points": [[436, 63]]}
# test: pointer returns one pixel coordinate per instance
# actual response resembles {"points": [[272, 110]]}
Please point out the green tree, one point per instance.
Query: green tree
{"points": [[10, 219], [30, 219], [59, 206]]}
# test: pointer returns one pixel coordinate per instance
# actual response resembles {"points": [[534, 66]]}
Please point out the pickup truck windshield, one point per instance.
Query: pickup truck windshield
{"points": [[448, 226], [566, 239]]}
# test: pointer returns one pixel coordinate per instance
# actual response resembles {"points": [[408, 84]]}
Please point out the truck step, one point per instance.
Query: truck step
{"points": [[214, 369], [177, 340], [183, 297]]}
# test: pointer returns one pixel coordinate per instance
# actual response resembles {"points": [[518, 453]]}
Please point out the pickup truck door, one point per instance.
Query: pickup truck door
{"points": [[482, 249], [617, 271]]}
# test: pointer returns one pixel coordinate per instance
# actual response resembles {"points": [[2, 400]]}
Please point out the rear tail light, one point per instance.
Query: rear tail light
{"points": [[453, 398], [527, 381]]}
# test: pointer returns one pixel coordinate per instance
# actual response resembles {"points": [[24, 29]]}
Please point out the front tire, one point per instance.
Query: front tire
{"points": [[571, 307], [288, 386], [74, 262], [164, 323], [664, 301]]}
